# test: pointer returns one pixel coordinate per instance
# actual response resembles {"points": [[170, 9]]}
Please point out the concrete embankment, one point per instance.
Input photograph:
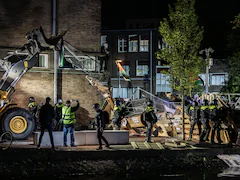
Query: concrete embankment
{"points": [[29, 162]]}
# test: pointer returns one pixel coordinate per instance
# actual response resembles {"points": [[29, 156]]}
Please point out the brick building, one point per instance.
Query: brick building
{"points": [[82, 20]]}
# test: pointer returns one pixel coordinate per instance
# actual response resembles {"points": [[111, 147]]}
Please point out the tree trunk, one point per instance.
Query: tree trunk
{"points": [[183, 118]]}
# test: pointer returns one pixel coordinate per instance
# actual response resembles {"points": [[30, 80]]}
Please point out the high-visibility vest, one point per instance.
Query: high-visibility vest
{"points": [[68, 116]]}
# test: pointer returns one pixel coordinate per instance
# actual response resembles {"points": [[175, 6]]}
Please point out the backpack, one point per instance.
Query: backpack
{"points": [[106, 117]]}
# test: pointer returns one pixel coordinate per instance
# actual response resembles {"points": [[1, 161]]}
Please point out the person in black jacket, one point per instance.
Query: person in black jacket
{"points": [[46, 116], [100, 125], [150, 119]]}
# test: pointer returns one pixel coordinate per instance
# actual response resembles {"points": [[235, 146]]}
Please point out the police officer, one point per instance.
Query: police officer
{"points": [[215, 118], [150, 119], [194, 113], [69, 119], [118, 114], [58, 112], [100, 125], [204, 118], [32, 107]]}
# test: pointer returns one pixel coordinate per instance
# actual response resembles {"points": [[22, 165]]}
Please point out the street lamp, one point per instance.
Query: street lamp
{"points": [[209, 62], [119, 84]]}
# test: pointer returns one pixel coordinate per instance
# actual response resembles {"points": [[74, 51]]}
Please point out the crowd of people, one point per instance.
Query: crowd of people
{"points": [[61, 117], [203, 113]]}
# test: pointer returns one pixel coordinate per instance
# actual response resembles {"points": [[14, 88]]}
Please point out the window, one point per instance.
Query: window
{"points": [[142, 68], [42, 61], [82, 62], [218, 79], [144, 40], [125, 93], [133, 43], [122, 44], [103, 39], [162, 83]]}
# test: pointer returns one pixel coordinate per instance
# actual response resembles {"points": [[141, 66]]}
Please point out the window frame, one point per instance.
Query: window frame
{"points": [[133, 44], [122, 44], [145, 44]]}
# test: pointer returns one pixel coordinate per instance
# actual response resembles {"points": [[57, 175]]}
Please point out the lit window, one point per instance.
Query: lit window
{"points": [[142, 68], [42, 61], [144, 41], [122, 44], [217, 79], [86, 63], [103, 39], [133, 43], [162, 81]]}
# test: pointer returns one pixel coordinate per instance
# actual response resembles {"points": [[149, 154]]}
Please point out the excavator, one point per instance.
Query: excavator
{"points": [[14, 119]]}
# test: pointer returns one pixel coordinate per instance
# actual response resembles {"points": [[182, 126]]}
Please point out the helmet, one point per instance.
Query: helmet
{"points": [[117, 102], [31, 99], [150, 103], [215, 102], [205, 102], [194, 103], [96, 106], [60, 101]]}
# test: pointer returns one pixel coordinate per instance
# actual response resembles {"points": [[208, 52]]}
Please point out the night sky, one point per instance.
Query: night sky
{"points": [[214, 15]]}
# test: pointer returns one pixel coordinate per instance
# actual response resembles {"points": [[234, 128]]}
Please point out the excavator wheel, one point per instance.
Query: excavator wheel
{"points": [[19, 122]]}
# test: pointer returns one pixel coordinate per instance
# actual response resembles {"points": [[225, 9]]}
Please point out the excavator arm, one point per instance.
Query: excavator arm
{"points": [[36, 43]]}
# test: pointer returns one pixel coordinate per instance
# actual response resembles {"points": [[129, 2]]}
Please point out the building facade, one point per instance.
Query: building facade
{"points": [[82, 20], [136, 49]]}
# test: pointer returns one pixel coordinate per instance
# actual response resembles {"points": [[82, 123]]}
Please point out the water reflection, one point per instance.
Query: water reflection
{"points": [[191, 174]]}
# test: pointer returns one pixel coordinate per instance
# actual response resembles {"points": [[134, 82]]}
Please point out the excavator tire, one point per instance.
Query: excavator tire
{"points": [[19, 122]]}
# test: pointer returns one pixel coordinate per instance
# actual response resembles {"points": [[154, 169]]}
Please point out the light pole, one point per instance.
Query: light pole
{"points": [[208, 65], [119, 84]]}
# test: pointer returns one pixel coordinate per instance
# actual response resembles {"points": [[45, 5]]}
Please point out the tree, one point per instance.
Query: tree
{"points": [[183, 37], [233, 83]]}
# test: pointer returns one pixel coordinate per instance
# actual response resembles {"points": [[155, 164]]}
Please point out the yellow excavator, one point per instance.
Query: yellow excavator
{"points": [[14, 119]]}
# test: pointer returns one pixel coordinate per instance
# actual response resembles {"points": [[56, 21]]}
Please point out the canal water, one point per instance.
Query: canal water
{"points": [[193, 174]]}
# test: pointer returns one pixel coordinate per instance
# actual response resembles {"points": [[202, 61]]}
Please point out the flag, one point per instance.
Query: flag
{"points": [[122, 71], [199, 81]]}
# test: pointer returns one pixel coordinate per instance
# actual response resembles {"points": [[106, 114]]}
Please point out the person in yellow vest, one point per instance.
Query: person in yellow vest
{"points": [[33, 109], [58, 112], [204, 118], [69, 119], [216, 122]]}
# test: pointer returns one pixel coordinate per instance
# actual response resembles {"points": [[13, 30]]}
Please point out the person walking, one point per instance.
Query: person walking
{"points": [[194, 113], [58, 112], [150, 119], [46, 116], [69, 119], [100, 125]]}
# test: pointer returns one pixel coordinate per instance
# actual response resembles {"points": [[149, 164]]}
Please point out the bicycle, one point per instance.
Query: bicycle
{"points": [[6, 139]]}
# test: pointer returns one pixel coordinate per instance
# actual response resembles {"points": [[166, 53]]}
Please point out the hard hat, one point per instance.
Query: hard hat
{"points": [[60, 101], [31, 99]]}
